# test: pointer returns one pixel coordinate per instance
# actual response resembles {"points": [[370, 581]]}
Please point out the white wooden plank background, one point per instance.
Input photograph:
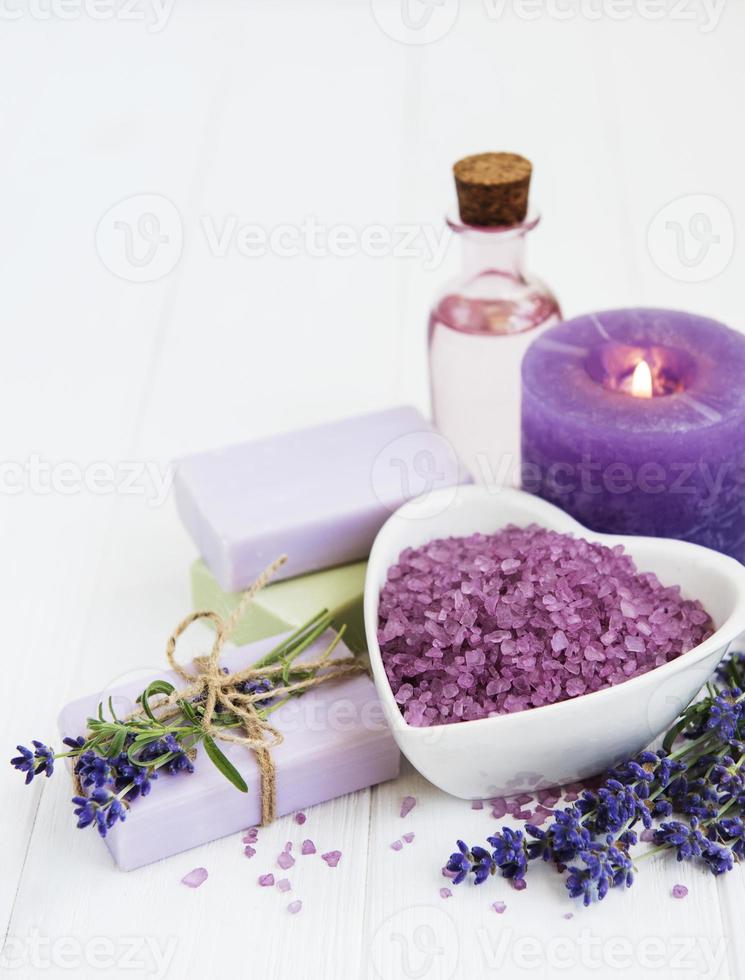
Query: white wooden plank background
{"points": [[274, 113]]}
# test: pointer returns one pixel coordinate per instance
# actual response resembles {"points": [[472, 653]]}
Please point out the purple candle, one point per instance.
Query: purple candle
{"points": [[633, 421]]}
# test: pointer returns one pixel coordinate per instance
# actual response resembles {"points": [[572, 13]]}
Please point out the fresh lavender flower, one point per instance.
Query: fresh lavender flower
{"points": [[460, 862], [137, 778], [562, 840], [508, 856], [698, 775], [260, 686], [34, 762], [510, 853], [604, 867], [102, 809], [117, 761], [94, 770], [725, 714]]}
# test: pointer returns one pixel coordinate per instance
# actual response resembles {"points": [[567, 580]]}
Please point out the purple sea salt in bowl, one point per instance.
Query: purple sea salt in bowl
{"points": [[572, 695], [470, 627]]}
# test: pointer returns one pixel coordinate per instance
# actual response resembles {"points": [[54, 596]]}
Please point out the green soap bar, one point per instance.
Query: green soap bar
{"points": [[290, 603]]}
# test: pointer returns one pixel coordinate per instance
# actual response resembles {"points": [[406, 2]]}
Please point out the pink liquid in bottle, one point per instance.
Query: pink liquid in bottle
{"points": [[479, 330]]}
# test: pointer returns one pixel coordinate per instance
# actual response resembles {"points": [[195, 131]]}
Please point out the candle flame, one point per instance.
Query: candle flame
{"points": [[641, 381]]}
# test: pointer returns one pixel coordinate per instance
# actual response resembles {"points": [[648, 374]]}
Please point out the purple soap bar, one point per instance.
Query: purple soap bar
{"points": [[319, 495], [335, 742]]}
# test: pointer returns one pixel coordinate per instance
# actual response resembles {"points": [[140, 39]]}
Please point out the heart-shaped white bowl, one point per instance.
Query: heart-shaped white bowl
{"points": [[558, 743]]}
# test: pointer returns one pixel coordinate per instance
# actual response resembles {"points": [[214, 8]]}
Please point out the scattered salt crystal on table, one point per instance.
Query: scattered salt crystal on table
{"points": [[407, 805], [396, 845], [569, 915], [679, 891], [251, 836], [498, 807], [331, 858], [408, 837], [284, 885], [285, 860], [294, 907], [445, 893], [477, 804], [195, 878], [300, 818], [499, 907], [492, 624], [249, 851], [519, 884], [308, 847], [266, 880]]}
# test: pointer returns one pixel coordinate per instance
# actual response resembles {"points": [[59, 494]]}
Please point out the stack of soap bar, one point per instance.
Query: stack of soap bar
{"points": [[286, 605], [319, 495], [336, 742]]}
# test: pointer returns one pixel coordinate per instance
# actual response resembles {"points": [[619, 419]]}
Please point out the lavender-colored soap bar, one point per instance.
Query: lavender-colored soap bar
{"points": [[335, 742], [319, 495]]}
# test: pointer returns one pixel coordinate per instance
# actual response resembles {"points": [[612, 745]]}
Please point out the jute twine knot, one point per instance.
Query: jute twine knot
{"points": [[213, 686]]}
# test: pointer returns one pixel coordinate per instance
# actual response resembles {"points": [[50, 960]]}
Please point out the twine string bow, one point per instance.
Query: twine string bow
{"points": [[214, 686]]}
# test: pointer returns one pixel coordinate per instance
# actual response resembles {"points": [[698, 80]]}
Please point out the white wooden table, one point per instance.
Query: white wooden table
{"points": [[257, 114]]}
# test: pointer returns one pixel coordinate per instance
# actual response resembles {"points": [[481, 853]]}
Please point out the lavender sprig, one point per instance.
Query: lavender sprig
{"points": [[697, 775], [118, 760]]}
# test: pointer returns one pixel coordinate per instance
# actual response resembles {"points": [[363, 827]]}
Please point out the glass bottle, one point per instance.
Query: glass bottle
{"points": [[479, 329]]}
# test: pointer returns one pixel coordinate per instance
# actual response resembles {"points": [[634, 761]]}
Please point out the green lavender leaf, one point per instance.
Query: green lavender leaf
{"points": [[157, 687], [117, 743], [111, 709], [226, 767]]}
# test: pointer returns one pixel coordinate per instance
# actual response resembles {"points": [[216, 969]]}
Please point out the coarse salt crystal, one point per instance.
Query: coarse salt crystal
{"points": [[195, 878], [407, 805]]}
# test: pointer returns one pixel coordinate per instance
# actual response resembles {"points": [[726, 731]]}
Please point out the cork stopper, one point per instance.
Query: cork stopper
{"points": [[493, 188]]}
